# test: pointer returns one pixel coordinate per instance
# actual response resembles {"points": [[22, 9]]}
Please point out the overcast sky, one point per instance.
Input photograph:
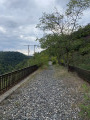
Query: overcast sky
{"points": [[18, 19]]}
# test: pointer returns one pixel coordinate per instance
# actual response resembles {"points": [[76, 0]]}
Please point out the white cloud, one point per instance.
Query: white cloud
{"points": [[18, 20], [86, 17], [31, 51], [2, 29], [1, 1], [30, 38], [23, 51], [45, 3]]}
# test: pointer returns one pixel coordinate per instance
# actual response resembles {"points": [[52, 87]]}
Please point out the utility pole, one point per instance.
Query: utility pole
{"points": [[35, 46], [29, 49]]}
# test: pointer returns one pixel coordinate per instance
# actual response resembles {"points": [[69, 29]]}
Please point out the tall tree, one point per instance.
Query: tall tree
{"points": [[64, 24]]}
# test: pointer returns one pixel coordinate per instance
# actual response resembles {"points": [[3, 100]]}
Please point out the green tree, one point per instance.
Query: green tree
{"points": [[62, 25]]}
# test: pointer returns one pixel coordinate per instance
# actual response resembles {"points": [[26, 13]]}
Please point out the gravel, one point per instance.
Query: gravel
{"points": [[43, 98]]}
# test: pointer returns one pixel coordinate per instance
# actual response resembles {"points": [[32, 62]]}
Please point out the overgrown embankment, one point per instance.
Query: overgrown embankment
{"points": [[80, 87]]}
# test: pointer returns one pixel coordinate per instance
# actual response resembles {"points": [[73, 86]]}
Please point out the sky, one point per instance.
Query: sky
{"points": [[18, 20]]}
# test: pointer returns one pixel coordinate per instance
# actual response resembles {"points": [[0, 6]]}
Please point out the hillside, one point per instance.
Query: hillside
{"points": [[81, 47], [69, 49], [8, 61]]}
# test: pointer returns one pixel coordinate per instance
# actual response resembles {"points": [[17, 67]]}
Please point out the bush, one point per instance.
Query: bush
{"points": [[54, 60]]}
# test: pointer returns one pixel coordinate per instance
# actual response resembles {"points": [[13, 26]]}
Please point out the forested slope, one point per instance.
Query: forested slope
{"points": [[73, 49], [8, 61], [82, 48]]}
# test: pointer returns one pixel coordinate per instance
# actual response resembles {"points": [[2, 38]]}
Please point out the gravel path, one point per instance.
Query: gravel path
{"points": [[42, 98]]}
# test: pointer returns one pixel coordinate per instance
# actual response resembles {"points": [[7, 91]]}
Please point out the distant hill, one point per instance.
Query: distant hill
{"points": [[8, 61]]}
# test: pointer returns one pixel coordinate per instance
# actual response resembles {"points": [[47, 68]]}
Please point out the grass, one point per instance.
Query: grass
{"points": [[81, 86], [82, 62], [69, 79], [84, 66], [85, 105], [17, 103], [63, 73]]}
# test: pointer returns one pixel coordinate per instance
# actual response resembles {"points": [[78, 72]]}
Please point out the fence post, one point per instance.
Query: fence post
{"points": [[10, 79]]}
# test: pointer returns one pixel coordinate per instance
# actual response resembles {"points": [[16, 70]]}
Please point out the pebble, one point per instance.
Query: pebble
{"points": [[43, 98]]}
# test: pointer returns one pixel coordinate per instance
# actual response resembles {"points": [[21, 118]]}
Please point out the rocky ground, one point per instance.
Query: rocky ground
{"points": [[50, 95]]}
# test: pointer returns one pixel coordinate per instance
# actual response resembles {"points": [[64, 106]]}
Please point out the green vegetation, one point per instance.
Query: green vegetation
{"points": [[68, 42], [77, 53], [73, 80], [8, 61], [85, 106], [40, 59], [11, 61]]}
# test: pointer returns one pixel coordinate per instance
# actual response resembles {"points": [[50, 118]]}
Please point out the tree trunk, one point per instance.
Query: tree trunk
{"points": [[59, 61], [68, 60]]}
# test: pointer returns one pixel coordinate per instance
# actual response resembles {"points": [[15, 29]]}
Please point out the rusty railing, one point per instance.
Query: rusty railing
{"points": [[84, 74], [10, 79]]}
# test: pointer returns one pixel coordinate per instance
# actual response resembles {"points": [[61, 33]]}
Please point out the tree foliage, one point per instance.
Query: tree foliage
{"points": [[8, 61], [65, 40]]}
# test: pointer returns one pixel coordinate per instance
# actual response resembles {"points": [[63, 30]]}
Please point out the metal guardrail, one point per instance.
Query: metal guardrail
{"points": [[84, 74], [10, 79]]}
